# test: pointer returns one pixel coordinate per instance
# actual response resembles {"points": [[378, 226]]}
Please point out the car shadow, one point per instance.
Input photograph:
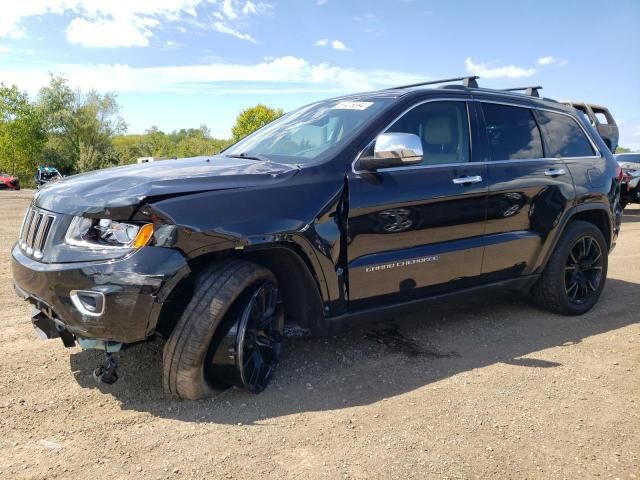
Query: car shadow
{"points": [[373, 362]]}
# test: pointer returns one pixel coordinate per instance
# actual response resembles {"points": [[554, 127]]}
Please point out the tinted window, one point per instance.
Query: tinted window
{"points": [[443, 128], [584, 114], [512, 132], [563, 136]]}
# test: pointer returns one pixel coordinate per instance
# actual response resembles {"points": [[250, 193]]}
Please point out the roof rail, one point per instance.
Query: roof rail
{"points": [[469, 82], [531, 91]]}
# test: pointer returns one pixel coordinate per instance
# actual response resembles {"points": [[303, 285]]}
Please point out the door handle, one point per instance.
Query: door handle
{"points": [[465, 180], [555, 172]]}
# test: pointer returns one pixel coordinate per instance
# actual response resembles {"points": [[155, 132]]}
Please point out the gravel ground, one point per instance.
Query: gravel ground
{"points": [[487, 386]]}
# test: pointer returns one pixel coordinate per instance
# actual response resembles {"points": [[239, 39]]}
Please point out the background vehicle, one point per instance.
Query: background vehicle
{"points": [[46, 174], [630, 185], [9, 182], [602, 120], [342, 209]]}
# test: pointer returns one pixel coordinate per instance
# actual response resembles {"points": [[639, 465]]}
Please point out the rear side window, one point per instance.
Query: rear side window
{"points": [[563, 136], [512, 132]]}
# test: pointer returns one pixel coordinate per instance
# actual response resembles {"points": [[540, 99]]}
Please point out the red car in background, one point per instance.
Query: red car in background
{"points": [[9, 182]]}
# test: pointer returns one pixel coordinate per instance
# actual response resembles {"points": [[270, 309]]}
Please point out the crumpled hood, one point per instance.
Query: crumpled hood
{"points": [[117, 192]]}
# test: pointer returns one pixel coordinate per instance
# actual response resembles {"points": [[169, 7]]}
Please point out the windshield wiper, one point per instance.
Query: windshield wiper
{"points": [[258, 158]]}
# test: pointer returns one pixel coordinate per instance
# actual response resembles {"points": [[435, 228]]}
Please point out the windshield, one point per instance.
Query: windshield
{"points": [[49, 174], [306, 133]]}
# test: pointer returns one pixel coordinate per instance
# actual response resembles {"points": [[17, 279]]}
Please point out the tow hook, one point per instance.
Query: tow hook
{"points": [[108, 371]]}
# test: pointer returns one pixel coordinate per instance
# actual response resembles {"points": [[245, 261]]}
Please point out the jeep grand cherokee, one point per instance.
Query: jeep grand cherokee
{"points": [[338, 210]]}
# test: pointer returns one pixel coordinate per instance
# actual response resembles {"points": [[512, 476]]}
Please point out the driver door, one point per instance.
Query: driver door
{"points": [[416, 230]]}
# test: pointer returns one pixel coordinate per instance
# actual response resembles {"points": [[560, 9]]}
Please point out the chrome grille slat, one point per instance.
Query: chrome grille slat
{"points": [[41, 238], [25, 229], [32, 231], [35, 231]]}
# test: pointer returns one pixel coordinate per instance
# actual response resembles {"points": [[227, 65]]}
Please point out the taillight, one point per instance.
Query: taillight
{"points": [[619, 173]]}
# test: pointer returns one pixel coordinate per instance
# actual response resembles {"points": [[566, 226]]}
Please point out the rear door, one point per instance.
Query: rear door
{"points": [[528, 192], [566, 139], [416, 229]]}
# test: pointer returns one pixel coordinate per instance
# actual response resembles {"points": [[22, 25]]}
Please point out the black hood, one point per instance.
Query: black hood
{"points": [[117, 192]]}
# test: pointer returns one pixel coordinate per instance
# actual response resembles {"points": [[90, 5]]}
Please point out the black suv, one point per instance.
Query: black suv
{"points": [[338, 210]]}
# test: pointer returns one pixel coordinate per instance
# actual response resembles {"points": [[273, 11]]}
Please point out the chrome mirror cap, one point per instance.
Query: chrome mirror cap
{"points": [[393, 150]]}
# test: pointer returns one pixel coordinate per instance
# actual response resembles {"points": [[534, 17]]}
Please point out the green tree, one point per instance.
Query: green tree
{"points": [[194, 142], [251, 119], [80, 126], [622, 150], [22, 133], [189, 142]]}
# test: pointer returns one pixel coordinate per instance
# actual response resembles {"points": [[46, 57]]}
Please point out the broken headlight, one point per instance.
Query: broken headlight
{"points": [[105, 233]]}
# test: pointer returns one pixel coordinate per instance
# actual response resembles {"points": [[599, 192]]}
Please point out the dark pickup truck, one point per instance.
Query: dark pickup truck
{"points": [[339, 210]]}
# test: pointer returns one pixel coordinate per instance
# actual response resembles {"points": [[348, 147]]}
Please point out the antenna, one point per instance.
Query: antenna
{"points": [[531, 91], [469, 82]]}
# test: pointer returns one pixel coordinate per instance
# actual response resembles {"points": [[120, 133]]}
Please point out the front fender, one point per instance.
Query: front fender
{"points": [[305, 215]]}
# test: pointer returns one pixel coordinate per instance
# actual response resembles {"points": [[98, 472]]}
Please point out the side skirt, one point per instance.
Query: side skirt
{"points": [[342, 322]]}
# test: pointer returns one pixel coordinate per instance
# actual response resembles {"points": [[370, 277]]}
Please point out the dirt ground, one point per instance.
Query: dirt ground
{"points": [[488, 386]]}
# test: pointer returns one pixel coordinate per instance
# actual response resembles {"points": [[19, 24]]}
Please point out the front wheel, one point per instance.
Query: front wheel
{"points": [[230, 333], [576, 272]]}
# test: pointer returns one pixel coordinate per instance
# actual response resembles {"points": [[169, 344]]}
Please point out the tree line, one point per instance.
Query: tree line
{"points": [[77, 131]]}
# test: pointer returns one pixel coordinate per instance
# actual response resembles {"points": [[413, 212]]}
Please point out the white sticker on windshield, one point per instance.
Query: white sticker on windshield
{"points": [[353, 105]]}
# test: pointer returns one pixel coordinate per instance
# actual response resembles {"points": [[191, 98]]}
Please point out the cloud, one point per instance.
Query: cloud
{"points": [[122, 23], [223, 28], [228, 10], [550, 60], [338, 45], [281, 75], [249, 8], [487, 71], [321, 2], [100, 33], [335, 44], [4, 49]]}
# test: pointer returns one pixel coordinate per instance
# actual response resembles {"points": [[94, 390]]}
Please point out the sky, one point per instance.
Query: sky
{"points": [[182, 63]]}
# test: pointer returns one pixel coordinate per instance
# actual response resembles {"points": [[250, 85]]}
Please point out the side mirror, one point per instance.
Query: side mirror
{"points": [[393, 150]]}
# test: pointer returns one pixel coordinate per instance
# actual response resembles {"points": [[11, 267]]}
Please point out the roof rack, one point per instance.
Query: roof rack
{"points": [[531, 91], [469, 82]]}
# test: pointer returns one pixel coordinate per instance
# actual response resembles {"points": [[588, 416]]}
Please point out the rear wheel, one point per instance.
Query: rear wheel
{"points": [[229, 334], [576, 272]]}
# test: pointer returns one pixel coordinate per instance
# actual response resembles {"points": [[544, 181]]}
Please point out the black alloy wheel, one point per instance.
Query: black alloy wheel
{"points": [[583, 270], [247, 347], [575, 274]]}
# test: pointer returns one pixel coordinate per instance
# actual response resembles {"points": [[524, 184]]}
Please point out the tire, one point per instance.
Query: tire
{"points": [[216, 311], [555, 289]]}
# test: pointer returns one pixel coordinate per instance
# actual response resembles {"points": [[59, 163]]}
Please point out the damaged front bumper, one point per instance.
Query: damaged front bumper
{"points": [[108, 302]]}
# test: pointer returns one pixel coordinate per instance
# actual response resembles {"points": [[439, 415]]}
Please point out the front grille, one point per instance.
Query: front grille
{"points": [[35, 230]]}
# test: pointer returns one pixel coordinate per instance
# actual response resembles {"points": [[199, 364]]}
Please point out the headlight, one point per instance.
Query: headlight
{"points": [[105, 233]]}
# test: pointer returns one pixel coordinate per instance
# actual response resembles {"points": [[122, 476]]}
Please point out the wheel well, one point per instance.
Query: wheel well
{"points": [[599, 219], [301, 297], [300, 293]]}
